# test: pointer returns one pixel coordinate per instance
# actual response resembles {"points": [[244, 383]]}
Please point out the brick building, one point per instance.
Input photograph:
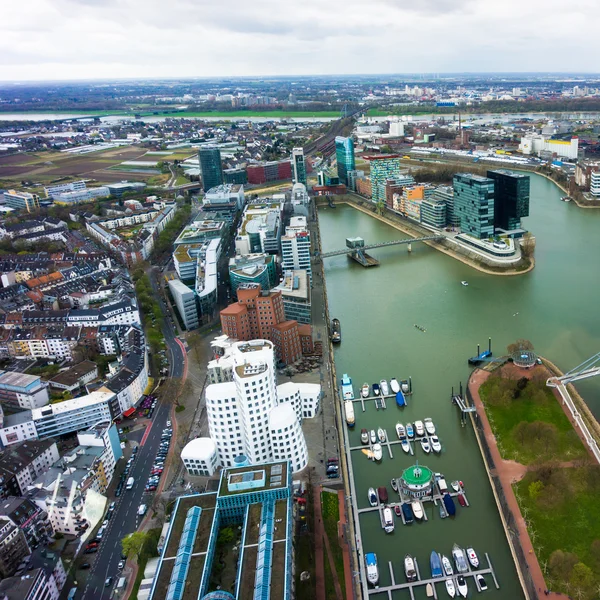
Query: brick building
{"points": [[269, 171], [259, 315]]}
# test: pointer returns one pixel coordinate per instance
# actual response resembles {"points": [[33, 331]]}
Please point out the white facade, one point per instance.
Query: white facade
{"points": [[85, 195], [200, 457], [397, 129], [287, 439], [74, 186], [13, 433], [303, 397], [39, 465], [536, 144], [290, 393], [185, 300], [595, 183], [295, 246], [224, 423]]}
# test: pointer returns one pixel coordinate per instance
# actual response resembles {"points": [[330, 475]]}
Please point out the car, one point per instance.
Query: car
{"points": [[120, 431], [121, 565], [150, 488], [168, 423], [85, 565], [108, 582], [91, 550], [135, 449], [104, 524], [112, 506]]}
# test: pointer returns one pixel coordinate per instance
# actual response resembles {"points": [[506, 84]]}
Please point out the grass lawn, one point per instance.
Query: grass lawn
{"points": [[565, 516], [158, 180], [181, 180], [148, 551], [278, 114], [531, 428], [331, 515]]}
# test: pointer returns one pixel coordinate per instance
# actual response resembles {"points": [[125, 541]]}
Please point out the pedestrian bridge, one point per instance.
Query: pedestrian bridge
{"points": [[358, 244]]}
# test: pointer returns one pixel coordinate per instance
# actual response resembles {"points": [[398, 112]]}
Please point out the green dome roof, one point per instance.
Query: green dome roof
{"points": [[417, 475]]}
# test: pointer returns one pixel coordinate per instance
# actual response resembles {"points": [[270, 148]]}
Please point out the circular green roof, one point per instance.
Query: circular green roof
{"points": [[417, 475]]}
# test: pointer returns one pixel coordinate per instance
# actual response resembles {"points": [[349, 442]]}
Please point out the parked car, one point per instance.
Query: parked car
{"points": [[121, 565], [108, 582], [85, 565]]}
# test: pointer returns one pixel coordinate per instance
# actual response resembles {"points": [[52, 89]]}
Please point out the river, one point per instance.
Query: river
{"points": [[554, 306]]}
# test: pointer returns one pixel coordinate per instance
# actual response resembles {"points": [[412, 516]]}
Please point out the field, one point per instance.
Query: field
{"points": [[272, 114]]}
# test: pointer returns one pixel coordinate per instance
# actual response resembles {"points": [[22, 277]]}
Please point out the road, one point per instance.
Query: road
{"points": [[125, 520]]}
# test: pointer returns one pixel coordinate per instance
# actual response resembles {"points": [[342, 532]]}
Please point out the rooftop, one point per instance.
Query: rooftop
{"points": [[72, 375], [272, 475]]}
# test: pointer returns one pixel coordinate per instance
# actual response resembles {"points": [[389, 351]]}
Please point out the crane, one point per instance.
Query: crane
{"points": [[587, 369]]}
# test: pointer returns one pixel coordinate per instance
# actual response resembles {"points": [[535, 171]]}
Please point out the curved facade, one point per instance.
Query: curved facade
{"points": [[224, 421], [289, 393], [200, 457], [287, 439]]}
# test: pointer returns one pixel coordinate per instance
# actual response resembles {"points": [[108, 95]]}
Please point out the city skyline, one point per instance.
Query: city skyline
{"points": [[79, 40]]}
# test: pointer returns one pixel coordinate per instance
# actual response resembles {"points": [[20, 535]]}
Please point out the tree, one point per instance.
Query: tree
{"points": [[520, 344], [535, 489], [133, 543], [562, 564], [582, 576], [528, 245], [226, 536]]}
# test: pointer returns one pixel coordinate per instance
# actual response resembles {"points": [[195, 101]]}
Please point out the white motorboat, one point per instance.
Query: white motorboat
{"points": [[405, 386], [425, 445], [409, 568], [419, 428], [400, 431], [461, 584], [482, 583], [372, 569], [417, 509], [429, 590], [394, 484], [372, 497], [373, 436], [459, 559], [450, 588], [381, 435], [455, 485], [473, 558], [435, 444], [364, 390], [377, 452], [405, 445], [394, 385], [447, 566], [464, 283], [383, 386], [429, 426], [349, 409], [364, 436], [410, 432], [388, 520]]}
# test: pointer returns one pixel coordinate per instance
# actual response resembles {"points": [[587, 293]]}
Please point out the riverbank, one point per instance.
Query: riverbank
{"points": [[408, 229]]}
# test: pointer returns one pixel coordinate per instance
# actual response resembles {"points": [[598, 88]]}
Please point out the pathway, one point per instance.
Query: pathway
{"points": [[319, 535], [344, 543], [506, 473]]}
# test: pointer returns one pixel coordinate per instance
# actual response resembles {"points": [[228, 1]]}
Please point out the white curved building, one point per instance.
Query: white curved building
{"points": [[287, 439], [200, 457], [224, 421], [289, 392]]}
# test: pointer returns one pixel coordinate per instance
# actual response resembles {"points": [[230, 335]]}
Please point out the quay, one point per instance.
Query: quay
{"points": [[423, 582]]}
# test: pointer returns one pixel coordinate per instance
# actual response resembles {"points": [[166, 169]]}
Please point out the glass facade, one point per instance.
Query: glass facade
{"points": [[344, 154], [433, 213], [511, 198], [474, 204], [210, 167], [299, 165], [382, 169]]}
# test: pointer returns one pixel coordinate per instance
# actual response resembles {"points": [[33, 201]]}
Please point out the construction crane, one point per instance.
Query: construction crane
{"points": [[587, 369]]}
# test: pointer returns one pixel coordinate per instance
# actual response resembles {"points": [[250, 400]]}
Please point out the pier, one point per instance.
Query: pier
{"points": [[433, 580]]}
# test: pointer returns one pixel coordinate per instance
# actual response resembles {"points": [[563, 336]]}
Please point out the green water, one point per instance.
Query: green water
{"points": [[555, 306]]}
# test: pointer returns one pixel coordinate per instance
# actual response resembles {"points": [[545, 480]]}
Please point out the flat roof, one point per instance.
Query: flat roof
{"points": [[17, 379], [274, 473]]}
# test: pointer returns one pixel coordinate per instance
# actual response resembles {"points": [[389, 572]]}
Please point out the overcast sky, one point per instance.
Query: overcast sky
{"points": [[84, 39]]}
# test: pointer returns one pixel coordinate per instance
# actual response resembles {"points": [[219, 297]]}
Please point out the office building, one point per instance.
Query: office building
{"points": [[22, 201], [252, 269], [344, 154], [269, 171], [200, 457], [256, 501], [211, 168], [474, 204], [383, 167], [20, 390], [260, 229], [295, 246], [238, 176], [298, 165], [223, 197], [200, 231], [287, 440], [185, 300], [511, 198], [295, 292], [433, 213], [595, 183], [445, 193]]}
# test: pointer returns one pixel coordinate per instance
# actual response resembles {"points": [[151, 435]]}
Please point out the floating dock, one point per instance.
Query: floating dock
{"points": [[434, 580], [481, 356]]}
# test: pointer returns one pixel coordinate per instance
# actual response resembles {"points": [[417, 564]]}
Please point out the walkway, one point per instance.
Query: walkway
{"points": [[319, 534], [344, 543], [506, 473]]}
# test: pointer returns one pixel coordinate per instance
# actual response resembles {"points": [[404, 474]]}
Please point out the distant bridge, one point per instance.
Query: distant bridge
{"points": [[429, 238]]}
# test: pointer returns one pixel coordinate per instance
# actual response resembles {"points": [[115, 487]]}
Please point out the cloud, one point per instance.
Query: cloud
{"points": [[85, 39]]}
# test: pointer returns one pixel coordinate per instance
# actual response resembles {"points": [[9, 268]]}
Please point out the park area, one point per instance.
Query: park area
{"points": [[557, 484]]}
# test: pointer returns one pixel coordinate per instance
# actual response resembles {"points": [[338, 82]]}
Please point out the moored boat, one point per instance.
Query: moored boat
{"points": [[482, 583], [347, 389], [417, 509], [398, 511], [388, 520], [407, 512], [373, 436], [336, 331], [394, 484], [435, 444], [400, 431], [449, 504], [405, 445], [450, 588], [461, 499], [404, 385], [435, 564], [429, 590], [410, 432], [349, 409], [425, 445], [377, 452], [429, 426], [383, 494], [461, 584], [383, 386], [400, 399], [364, 436], [409, 568], [364, 390], [459, 559], [375, 387], [419, 428], [394, 385], [447, 566], [372, 569], [381, 435], [372, 497], [473, 558], [455, 486]]}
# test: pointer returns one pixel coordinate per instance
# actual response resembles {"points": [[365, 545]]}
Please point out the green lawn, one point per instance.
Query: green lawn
{"points": [[565, 518], [531, 428], [331, 515], [259, 113], [148, 551]]}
